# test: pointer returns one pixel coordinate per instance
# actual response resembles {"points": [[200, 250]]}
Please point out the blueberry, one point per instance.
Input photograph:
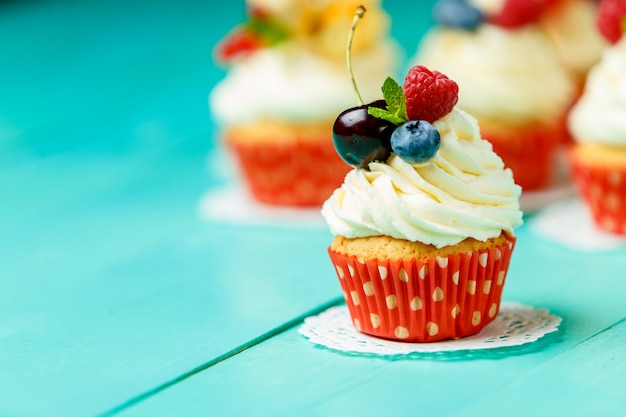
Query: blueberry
{"points": [[415, 141], [458, 14]]}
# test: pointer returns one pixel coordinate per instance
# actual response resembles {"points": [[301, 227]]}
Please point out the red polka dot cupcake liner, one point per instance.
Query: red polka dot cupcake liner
{"points": [[424, 300], [298, 173], [530, 153], [603, 188]]}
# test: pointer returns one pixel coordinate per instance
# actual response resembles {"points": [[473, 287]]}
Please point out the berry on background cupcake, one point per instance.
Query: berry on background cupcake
{"points": [[611, 20], [424, 222]]}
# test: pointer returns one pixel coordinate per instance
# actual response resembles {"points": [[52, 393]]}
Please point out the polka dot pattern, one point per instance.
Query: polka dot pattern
{"points": [[382, 271], [423, 271], [403, 276], [416, 303], [288, 172], [432, 329], [604, 191], [501, 276], [483, 258], [340, 272], [471, 287], [476, 316], [355, 298], [493, 310], [424, 300], [614, 178], [401, 332]]}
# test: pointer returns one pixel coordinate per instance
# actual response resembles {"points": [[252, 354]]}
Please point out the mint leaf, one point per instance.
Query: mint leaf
{"points": [[385, 115], [271, 32], [394, 96], [396, 103]]}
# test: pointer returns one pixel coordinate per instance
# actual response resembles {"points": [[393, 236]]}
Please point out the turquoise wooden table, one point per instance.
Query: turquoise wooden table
{"points": [[118, 298]]}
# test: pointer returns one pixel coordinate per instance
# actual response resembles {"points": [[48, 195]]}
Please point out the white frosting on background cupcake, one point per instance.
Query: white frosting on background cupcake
{"points": [[288, 83], [600, 114], [507, 75]]}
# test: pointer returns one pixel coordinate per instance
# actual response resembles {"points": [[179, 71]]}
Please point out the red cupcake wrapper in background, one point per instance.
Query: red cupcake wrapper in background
{"points": [[530, 153], [296, 173], [424, 301], [604, 191]]}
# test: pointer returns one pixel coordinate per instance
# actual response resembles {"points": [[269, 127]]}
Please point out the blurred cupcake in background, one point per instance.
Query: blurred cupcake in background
{"points": [[598, 125], [511, 78], [571, 25], [286, 81]]}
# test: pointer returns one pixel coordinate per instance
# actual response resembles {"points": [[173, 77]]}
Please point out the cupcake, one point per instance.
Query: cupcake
{"points": [[424, 223], [511, 79], [284, 84], [598, 125]]}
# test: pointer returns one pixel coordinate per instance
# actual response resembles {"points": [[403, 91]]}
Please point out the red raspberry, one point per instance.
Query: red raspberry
{"points": [[430, 95], [517, 13], [611, 19], [239, 42]]}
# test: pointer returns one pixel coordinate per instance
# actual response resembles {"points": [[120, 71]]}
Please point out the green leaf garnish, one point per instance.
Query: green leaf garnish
{"points": [[396, 104], [394, 96], [385, 115], [271, 32]]}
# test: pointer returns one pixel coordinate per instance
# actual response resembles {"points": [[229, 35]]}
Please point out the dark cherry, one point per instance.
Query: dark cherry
{"points": [[361, 138]]}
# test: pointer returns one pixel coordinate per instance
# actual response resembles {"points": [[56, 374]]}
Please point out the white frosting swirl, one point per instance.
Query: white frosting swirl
{"points": [[289, 83], [600, 114], [463, 191], [507, 75]]}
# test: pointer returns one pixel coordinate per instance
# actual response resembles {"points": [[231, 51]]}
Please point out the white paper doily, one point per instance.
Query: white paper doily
{"points": [[570, 223], [515, 325], [232, 203]]}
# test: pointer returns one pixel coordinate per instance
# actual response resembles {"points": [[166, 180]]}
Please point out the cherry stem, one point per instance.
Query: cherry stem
{"points": [[358, 14]]}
